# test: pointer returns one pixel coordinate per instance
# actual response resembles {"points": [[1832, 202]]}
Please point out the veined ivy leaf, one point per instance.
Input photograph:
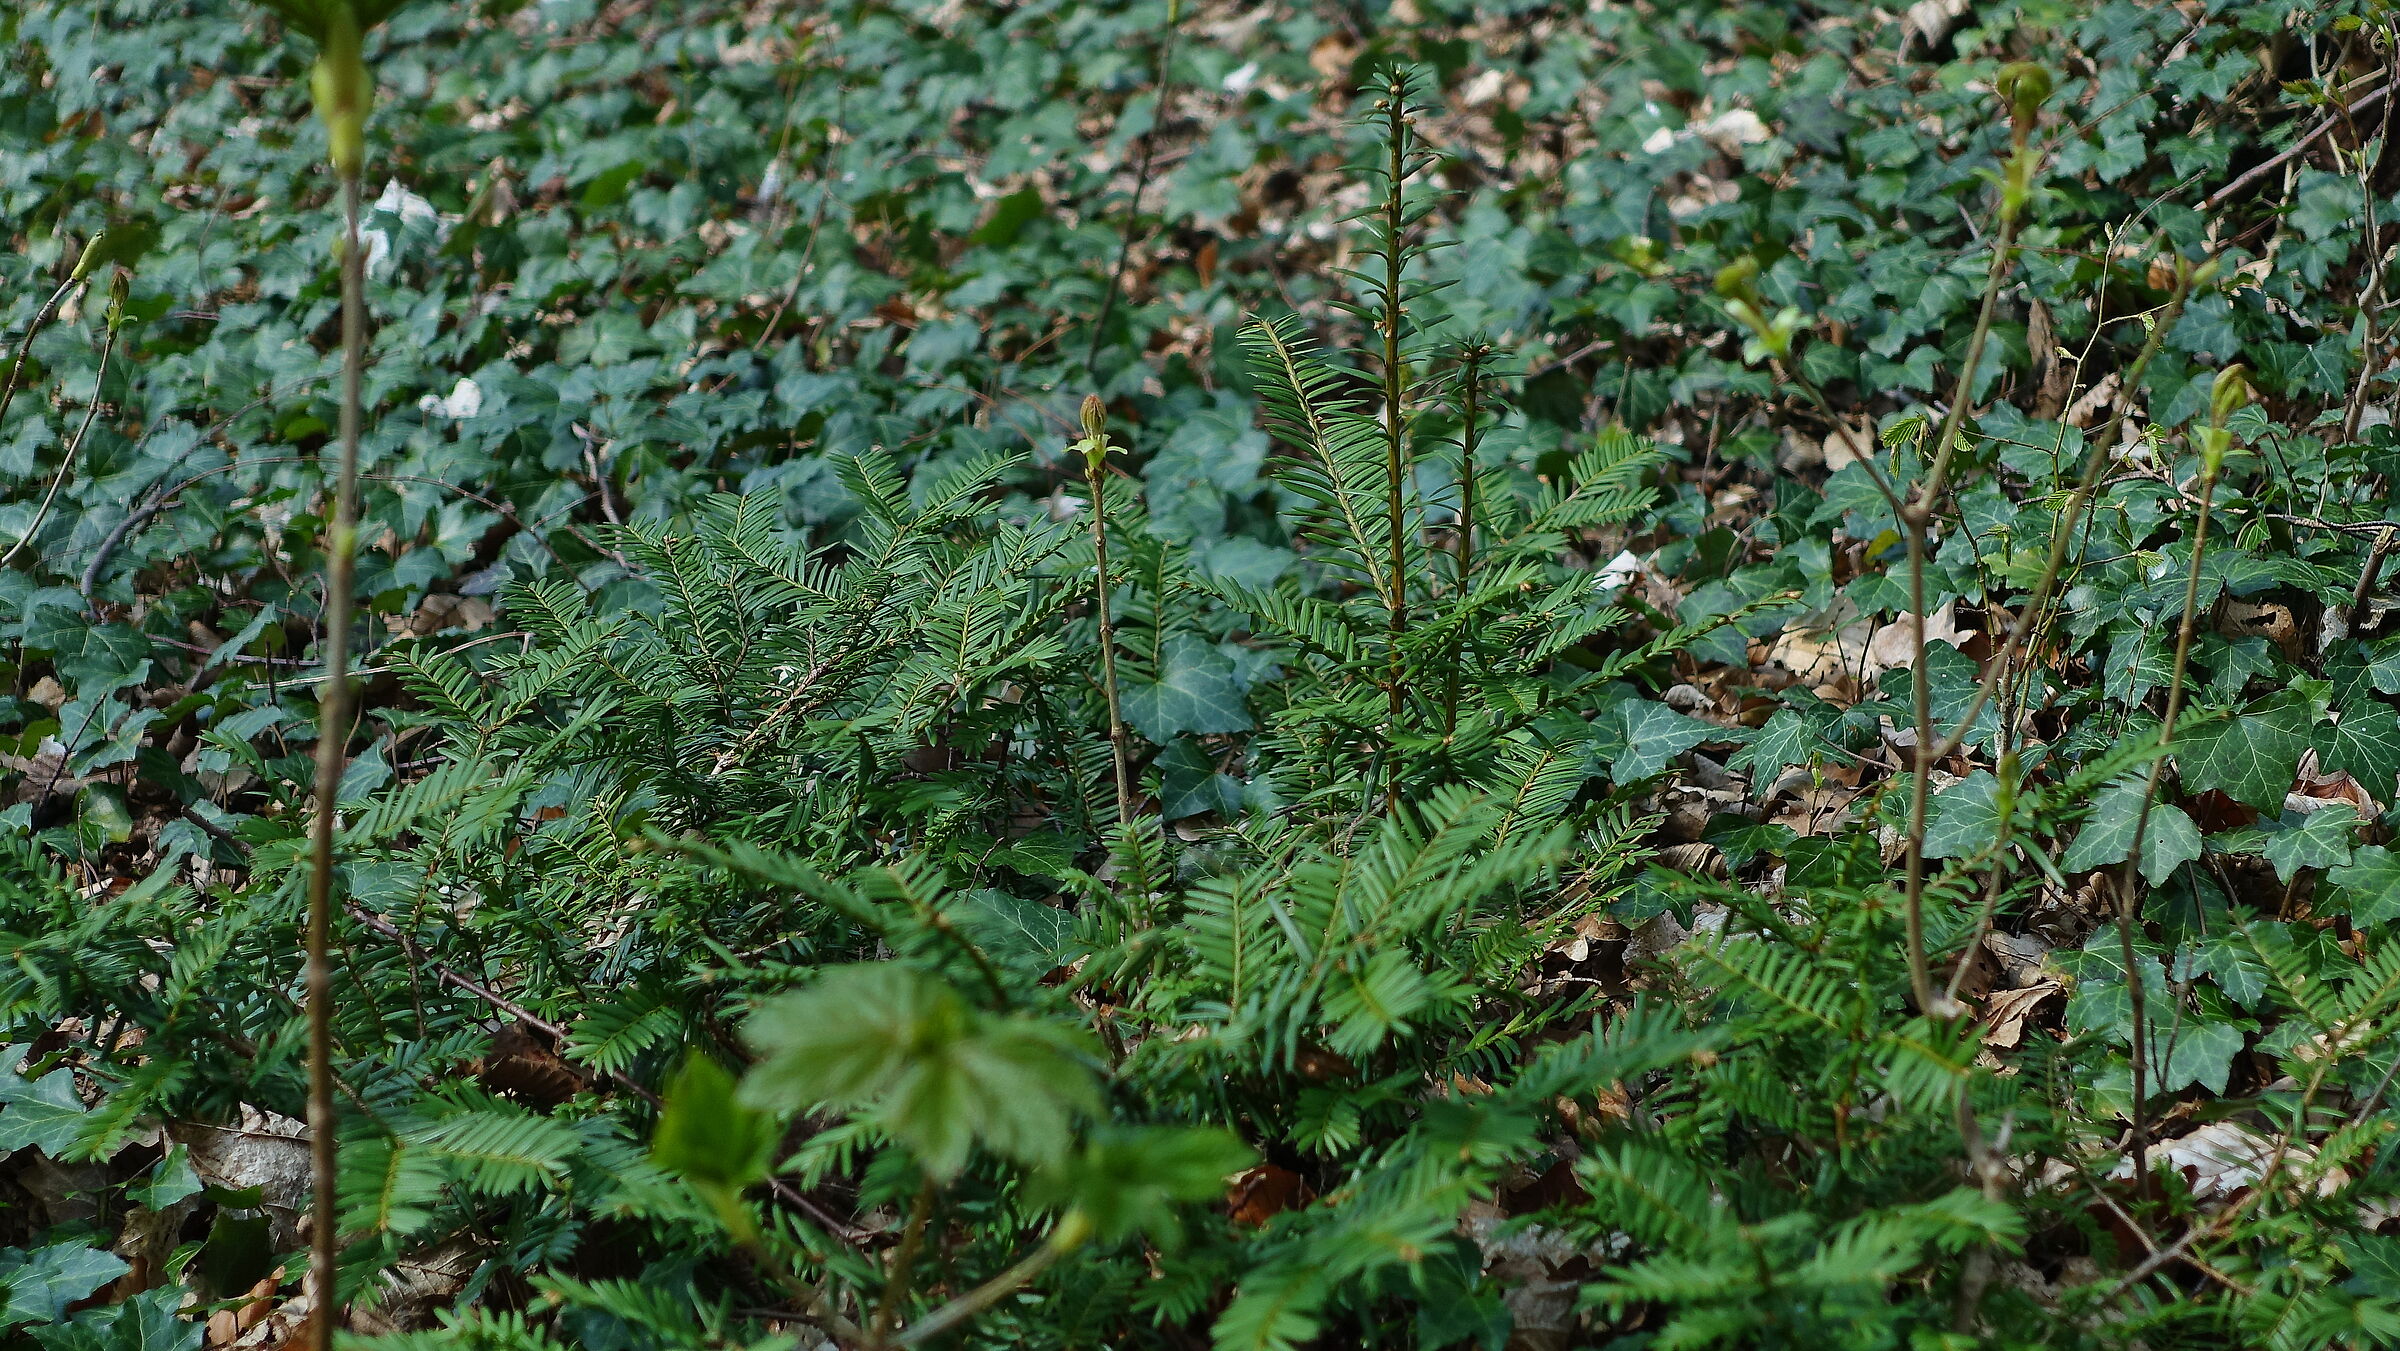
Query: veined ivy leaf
{"points": [[2198, 1051], [2230, 961], [2383, 666], [1787, 739], [2369, 884], [147, 1322], [1189, 784], [1022, 933], [2322, 839], [1197, 690], [2100, 1002], [2252, 756], [1952, 679], [2364, 744], [41, 1113], [2170, 841], [37, 1286], [170, 1180], [1655, 734], [1964, 817]]}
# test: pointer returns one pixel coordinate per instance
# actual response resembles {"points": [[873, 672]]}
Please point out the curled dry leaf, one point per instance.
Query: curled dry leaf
{"points": [[1894, 647], [259, 1149], [2005, 1012], [2225, 1157], [1260, 1194]]}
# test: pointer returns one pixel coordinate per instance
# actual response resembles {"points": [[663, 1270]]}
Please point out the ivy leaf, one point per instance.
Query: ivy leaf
{"points": [[170, 1181], [1197, 690], [42, 1113], [2365, 745], [2100, 1002], [1654, 735], [39, 1285], [2322, 839], [2252, 756], [1787, 739], [2370, 884], [1964, 817], [2383, 666], [1021, 933], [1189, 784], [2230, 961], [147, 1322], [2200, 1051], [1952, 679], [2170, 841]]}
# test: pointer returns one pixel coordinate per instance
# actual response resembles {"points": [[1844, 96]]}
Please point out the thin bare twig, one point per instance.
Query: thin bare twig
{"points": [[333, 732], [66, 460], [2297, 148]]}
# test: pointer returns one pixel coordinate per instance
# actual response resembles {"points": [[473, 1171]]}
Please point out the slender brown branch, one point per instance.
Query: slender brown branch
{"points": [[904, 1261], [41, 320], [1070, 1232], [2094, 467], [1915, 521], [2367, 575], [2297, 148], [1395, 467], [333, 730], [1471, 391], [1095, 460], [2370, 363], [1141, 183], [2229, 392], [66, 460]]}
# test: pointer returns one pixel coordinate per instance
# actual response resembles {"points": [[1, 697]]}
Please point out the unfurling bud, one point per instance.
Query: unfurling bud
{"points": [[94, 253], [2026, 87], [1094, 444], [123, 243], [2230, 393], [342, 89], [1738, 280], [1770, 336], [1641, 253]]}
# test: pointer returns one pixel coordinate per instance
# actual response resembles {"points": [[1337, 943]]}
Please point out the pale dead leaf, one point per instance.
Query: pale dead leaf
{"points": [[1894, 646], [2099, 399], [2224, 1157], [2006, 1011], [1821, 656]]}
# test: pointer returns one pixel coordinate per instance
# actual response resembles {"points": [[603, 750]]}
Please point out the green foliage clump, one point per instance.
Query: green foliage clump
{"points": [[1705, 675]]}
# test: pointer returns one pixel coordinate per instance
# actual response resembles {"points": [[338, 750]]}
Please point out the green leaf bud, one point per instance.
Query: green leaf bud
{"points": [[342, 89], [2025, 86], [1738, 280]]}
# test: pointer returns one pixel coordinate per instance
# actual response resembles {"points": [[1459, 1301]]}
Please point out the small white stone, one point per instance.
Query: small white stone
{"points": [[464, 401]]}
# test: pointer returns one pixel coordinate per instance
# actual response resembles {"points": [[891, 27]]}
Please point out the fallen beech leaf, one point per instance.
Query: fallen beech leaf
{"points": [[2224, 1157], [1894, 646], [2006, 1011], [1260, 1194]]}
